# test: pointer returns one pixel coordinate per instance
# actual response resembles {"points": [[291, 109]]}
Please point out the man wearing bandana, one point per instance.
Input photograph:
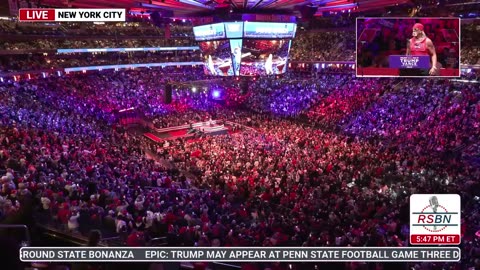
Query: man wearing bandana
{"points": [[420, 44]]}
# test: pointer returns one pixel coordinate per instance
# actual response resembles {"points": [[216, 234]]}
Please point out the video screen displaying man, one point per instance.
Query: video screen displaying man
{"points": [[264, 57], [412, 47], [216, 57], [421, 45], [236, 45]]}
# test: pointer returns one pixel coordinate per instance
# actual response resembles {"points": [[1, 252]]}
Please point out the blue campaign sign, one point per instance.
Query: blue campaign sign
{"points": [[269, 30], [409, 61], [209, 32], [234, 29]]}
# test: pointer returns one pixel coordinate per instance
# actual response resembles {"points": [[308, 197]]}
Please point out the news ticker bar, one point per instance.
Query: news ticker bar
{"points": [[72, 15], [171, 64], [149, 49], [240, 254]]}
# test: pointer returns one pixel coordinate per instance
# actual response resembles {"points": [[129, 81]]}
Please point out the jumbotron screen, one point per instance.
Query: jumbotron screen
{"points": [[217, 57], [245, 48], [264, 57]]}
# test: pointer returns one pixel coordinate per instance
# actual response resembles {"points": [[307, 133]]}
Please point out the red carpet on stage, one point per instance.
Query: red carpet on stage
{"points": [[178, 133], [152, 137]]}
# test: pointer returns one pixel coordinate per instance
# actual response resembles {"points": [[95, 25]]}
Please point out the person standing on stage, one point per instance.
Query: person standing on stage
{"points": [[420, 44], [269, 65], [237, 58], [211, 66]]}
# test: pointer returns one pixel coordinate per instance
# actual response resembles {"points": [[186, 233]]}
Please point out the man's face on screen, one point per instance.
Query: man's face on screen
{"points": [[415, 32]]}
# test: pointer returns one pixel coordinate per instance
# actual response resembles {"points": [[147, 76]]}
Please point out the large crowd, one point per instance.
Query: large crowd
{"points": [[27, 36], [339, 172], [315, 45], [470, 52], [144, 28], [67, 43], [29, 62], [323, 46]]}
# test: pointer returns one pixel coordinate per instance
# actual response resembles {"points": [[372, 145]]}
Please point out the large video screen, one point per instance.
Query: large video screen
{"points": [[236, 47], [264, 57], [245, 48], [234, 29], [209, 32], [217, 57], [269, 30], [409, 47], [262, 30]]}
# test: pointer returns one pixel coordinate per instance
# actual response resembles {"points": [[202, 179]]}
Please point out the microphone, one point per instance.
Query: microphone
{"points": [[434, 205]]}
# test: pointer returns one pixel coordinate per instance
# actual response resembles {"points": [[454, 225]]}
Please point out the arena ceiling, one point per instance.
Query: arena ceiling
{"points": [[189, 7]]}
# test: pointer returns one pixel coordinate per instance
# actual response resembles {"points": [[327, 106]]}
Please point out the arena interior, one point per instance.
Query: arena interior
{"points": [[166, 146]]}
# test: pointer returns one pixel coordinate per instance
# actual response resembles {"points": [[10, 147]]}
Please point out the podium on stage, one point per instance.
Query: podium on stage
{"points": [[409, 61], [410, 65]]}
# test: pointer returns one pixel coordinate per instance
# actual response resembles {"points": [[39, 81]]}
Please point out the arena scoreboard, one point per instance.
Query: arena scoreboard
{"points": [[245, 48]]}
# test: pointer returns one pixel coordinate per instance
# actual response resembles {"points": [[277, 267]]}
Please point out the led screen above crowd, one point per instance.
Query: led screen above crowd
{"points": [[269, 30], [209, 32], [216, 57], [234, 29], [264, 57], [245, 48], [265, 30]]}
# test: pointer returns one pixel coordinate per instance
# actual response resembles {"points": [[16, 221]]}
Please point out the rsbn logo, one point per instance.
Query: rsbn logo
{"points": [[435, 219]]}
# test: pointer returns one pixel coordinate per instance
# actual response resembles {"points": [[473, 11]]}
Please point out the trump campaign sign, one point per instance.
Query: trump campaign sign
{"points": [[435, 219]]}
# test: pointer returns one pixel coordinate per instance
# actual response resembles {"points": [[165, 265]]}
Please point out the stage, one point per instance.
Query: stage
{"points": [[209, 128]]}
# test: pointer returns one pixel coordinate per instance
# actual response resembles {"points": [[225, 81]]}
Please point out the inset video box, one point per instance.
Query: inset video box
{"points": [[408, 47]]}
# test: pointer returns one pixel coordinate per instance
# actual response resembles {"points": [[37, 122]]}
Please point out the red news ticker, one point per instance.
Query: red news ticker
{"points": [[444, 239], [36, 14]]}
